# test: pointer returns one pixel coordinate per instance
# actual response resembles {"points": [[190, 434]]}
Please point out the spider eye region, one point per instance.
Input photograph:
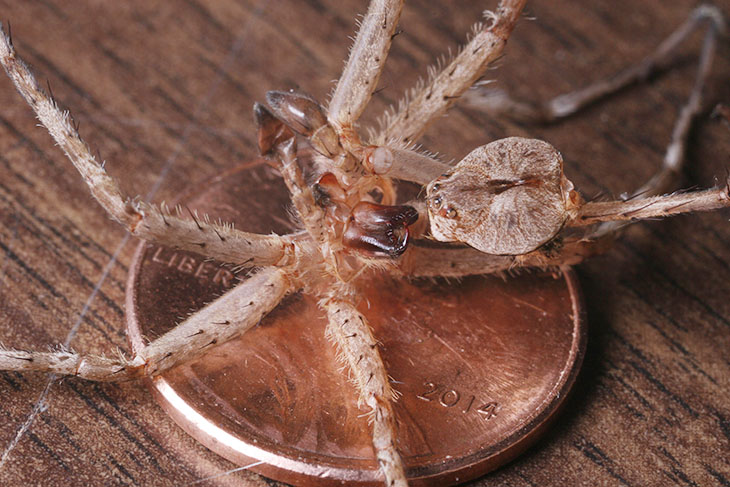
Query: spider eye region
{"points": [[508, 197], [438, 206]]}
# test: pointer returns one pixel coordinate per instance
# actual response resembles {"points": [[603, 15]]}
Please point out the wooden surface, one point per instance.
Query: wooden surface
{"points": [[164, 91]]}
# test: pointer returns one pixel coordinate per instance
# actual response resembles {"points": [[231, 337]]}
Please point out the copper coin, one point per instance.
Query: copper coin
{"points": [[482, 365]]}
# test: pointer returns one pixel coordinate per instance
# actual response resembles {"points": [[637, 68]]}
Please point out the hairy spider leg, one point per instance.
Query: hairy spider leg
{"points": [[357, 347], [223, 319], [360, 76], [227, 317], [406, 123], [198, 234]]}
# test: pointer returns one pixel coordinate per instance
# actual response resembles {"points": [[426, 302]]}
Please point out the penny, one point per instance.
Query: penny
{"points": [[482, 365]]}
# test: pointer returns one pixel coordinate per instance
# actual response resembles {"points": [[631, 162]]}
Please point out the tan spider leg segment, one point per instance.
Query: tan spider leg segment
{"points": [[410, 165], [644, 202], [676, 153], [429, 259], [367, 57], [349, 329], [425, 103], [424, 259], [217, 240], [225, 318], [642, 208], [499, 102]]}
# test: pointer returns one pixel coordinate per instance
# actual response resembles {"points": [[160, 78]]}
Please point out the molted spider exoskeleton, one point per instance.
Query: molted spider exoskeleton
{"points": [[508, 200]]}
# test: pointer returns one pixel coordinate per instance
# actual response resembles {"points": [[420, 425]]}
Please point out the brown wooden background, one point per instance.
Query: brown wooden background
{"points": [[164, 91]]}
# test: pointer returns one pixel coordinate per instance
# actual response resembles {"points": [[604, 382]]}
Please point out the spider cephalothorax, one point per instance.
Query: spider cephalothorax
{"points": [[508, 200], [498, 188]]}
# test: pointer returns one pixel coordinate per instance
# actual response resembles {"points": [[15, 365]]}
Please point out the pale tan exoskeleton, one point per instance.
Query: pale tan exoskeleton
{"points": [[509, 200]]}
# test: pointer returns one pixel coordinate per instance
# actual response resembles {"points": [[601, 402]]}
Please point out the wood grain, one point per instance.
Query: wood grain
{"points": [[164, 91]]}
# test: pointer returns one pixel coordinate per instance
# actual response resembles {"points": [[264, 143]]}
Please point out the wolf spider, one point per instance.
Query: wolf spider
{"points": [[509, 201]]}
